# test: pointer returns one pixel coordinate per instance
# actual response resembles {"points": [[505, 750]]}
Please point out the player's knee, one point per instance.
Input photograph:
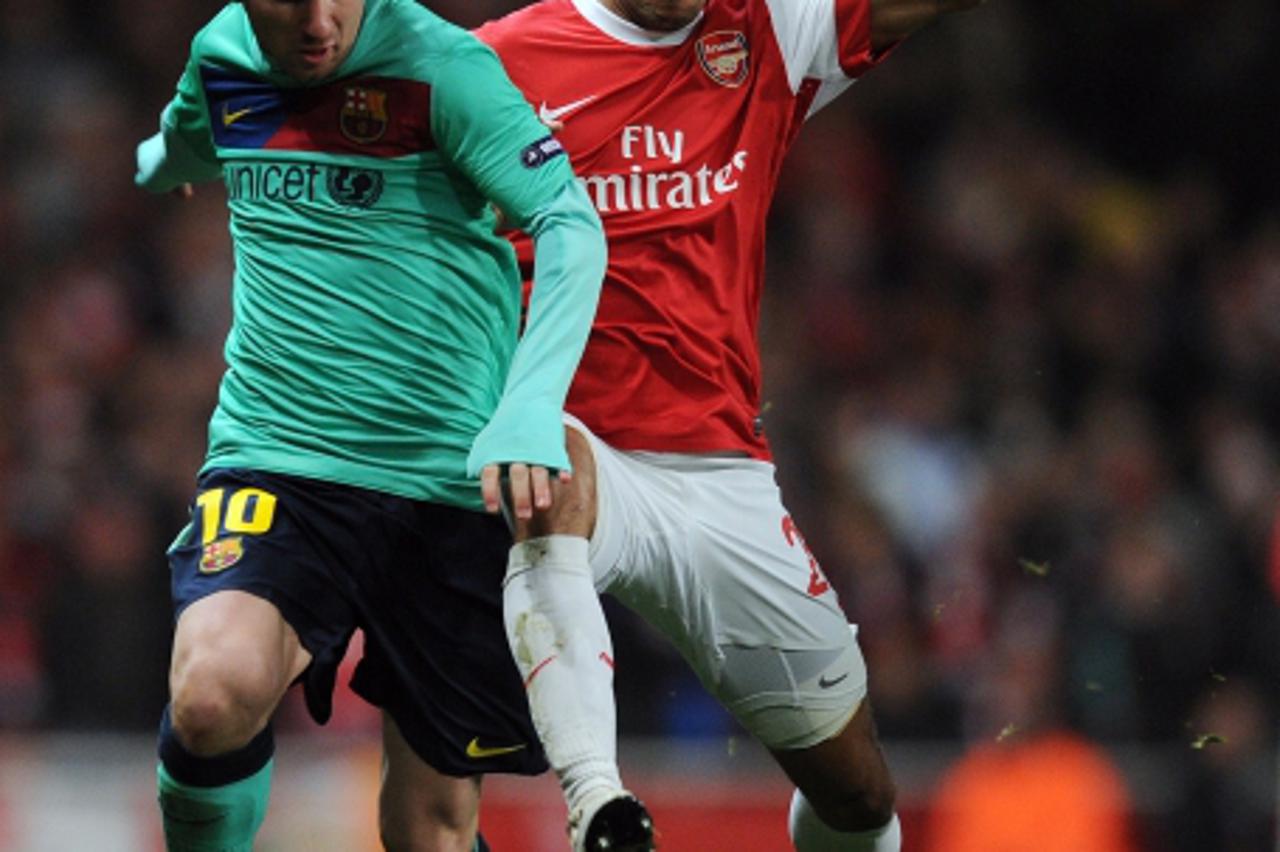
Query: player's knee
{"points": [[397, 839], [573, 510], [217, 707], [395, 831], [425, 821], [580, 495], [206, 722], [392, 833]]}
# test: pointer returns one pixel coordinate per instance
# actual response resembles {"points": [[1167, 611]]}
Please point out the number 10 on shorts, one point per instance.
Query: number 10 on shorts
{"points": [[245, 510]]}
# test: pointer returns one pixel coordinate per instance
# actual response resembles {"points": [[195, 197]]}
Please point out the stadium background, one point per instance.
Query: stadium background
{"points": [[1022, 336]]}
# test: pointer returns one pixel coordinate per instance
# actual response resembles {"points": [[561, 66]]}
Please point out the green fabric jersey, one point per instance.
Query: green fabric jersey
{"points": [[375, 310]]}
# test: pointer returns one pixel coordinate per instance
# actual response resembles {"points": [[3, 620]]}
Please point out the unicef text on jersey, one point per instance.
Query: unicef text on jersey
{"points": [[346, 186]]}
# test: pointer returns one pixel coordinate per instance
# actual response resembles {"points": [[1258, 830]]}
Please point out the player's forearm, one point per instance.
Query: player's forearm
{"points": [[894, 20], [568, 268], [569, 256]]}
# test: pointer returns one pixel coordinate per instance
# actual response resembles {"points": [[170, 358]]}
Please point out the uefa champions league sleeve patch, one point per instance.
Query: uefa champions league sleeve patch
{"points": [[542, 151]]}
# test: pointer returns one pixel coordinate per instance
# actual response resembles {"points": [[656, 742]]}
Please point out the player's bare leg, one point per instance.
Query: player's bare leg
{"points": [[421, 809], [233, 658], [564, 652], [845, 796]]}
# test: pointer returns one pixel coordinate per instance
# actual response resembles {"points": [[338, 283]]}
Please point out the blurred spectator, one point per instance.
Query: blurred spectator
{"points": [[24, 574], [1232, 773], [106, 630], [1047, 792], [1028, 784]]}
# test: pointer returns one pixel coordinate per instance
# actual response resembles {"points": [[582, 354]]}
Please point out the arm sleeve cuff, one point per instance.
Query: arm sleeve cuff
{"points": [[166, 161]]}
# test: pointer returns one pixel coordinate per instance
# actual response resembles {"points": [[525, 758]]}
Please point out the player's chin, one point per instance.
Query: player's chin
{"points": [[678, 13], [308, 69], [305, 73], [668, 22]]}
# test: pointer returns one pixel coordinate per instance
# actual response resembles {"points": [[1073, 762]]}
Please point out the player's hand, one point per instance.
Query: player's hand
{"points": [[529, 487], [183, 191]]}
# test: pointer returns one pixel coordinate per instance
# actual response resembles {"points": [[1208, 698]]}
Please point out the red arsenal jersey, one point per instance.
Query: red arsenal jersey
{"points": [[679, 138]]}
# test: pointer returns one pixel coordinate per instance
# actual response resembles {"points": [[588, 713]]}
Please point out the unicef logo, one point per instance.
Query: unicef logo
{"points": [[354, 187]]}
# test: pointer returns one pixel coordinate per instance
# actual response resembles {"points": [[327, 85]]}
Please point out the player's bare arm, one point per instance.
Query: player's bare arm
{"points": [[894, 20]]}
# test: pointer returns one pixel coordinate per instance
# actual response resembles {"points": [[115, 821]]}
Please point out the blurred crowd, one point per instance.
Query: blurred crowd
{"points": [[1022, 347]]}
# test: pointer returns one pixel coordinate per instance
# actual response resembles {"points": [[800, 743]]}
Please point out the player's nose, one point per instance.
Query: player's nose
{"points": [[318, 19]]}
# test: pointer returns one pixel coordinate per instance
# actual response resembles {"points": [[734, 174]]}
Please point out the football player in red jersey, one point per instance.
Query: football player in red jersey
{"points": [[677, 115]]}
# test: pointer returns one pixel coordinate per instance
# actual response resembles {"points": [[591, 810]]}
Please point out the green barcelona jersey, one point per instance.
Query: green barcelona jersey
{"points": [[375, 309]]}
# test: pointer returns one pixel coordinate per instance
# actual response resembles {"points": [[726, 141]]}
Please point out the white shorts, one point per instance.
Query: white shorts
{"points": [[702, 548]]}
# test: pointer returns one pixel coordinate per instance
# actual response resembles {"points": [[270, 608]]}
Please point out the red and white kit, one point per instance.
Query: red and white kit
{"points": [[680, 138]]}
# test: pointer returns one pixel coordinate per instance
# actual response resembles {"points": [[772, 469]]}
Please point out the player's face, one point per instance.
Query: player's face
{"points": [[306, 39], [657, 15]]}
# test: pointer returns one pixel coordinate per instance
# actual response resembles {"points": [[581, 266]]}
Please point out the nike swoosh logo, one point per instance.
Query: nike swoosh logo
{"points": [[230, 118], [549, 114], [478, 752], [823, 683]]}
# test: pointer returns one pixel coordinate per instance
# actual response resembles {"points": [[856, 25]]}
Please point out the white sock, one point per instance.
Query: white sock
{"points": [[810, 834], [561, 643]]}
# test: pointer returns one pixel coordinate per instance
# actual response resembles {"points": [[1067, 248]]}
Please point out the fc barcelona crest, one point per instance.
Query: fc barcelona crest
{"points": [[363, 119], [724, 56], [221, 554]]}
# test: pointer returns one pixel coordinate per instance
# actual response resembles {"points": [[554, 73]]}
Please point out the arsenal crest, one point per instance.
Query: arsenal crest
{"points": [[724, 56], [363, 119]]}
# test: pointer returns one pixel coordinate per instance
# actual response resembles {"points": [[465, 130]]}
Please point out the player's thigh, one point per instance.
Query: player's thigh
{"points": [[629, 509], [436, 656], [232, 636], [416, 802], [720, 567], [256, 583]]}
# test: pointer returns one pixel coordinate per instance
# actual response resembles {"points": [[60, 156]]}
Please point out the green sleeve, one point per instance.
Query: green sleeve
{"points": [[487, 130], [568, 268], [182, 152]]}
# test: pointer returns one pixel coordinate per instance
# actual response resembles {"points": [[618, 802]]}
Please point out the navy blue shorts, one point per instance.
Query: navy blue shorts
{"points": [[422, 580]]}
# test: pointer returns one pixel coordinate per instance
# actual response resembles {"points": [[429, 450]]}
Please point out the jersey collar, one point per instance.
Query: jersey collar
{"points": [[623, 30]]}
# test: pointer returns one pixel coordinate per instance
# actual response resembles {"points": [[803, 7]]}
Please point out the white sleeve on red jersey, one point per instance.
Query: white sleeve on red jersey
{"points": [[827, 40]]}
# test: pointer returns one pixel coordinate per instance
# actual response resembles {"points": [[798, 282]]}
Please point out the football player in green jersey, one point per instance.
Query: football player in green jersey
{"points": [[375, 367]]}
